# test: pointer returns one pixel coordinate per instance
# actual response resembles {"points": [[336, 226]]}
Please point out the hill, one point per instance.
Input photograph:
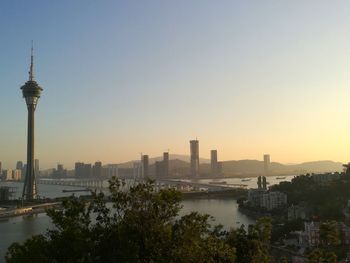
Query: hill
{"points": [[255, 167], [179, 166]]}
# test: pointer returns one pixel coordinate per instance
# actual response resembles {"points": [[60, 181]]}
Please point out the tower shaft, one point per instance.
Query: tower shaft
{"points": [[29, 190]]}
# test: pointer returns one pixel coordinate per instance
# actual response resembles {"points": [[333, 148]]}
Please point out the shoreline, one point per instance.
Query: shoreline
{"points": [[228, 194], [27, 210]]}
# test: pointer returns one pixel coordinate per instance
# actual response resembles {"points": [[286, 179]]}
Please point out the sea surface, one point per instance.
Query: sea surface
{"points": [[225, 211]]}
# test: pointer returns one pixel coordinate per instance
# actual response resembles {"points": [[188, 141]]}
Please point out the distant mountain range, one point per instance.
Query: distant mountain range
{"points": [[254, 167], [179, 164]]}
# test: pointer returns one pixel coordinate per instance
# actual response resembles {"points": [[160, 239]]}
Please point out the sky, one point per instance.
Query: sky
{"points": [[125, 77]]}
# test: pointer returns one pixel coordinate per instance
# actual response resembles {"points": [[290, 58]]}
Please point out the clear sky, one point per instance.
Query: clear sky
{"points": [[123, 77]]}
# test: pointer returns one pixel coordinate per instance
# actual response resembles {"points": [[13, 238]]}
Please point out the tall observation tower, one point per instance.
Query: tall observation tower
{"points": [[194, 147], [31, 92]]}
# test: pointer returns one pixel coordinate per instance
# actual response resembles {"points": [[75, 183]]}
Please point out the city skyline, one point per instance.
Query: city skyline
{"points": [[244, 84]]}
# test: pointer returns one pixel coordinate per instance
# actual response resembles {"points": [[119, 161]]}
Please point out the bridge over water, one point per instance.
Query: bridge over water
{"points": [[101, 183], [88, 183], [210, 186]]}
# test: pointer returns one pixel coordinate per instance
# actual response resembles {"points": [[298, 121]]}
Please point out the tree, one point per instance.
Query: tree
{"points": [[138, 225], [249, 246], [283, 260], [319, 256], [329, 233], [263, 228]]}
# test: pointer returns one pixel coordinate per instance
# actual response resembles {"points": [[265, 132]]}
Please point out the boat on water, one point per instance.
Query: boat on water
{"points": [[246, 179], [219, 182], [280, 177]]}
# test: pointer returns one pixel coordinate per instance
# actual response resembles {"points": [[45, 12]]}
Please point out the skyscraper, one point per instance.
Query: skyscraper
{"points": [[31, 92], [145, 164], [112, 170], [97, 169], [165, 164], [87, 170], [159, 169], [194, 147], [266, 164], [137, 170], [214, 162], [17, 175], [79, 169], [19, 165]]}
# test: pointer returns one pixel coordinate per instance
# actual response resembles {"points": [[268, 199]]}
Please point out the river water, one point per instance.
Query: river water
{"points": [[225, 211]]}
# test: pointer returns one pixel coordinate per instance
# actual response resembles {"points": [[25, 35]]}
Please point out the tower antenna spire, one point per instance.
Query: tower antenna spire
{"points": [[31, 70]]}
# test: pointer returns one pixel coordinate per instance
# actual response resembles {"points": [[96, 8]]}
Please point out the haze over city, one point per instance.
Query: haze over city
{"points": [[122, 78]]}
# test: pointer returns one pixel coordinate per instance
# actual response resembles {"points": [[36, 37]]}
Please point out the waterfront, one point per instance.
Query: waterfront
{"points": [[20, 228], [250, 182]]}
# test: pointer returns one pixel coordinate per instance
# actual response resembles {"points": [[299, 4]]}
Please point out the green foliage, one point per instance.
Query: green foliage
{"points": [[330, 233], [283, 260], [252, 247], [281, 231], [140, 225], [263, 228], [327, 200], [319, 256]]}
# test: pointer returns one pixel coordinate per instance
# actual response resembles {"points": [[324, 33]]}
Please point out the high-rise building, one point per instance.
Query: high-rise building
{"points": [[60, 172], [194, 147], [79, 169], [17, 175], [137, 170], [0, 168], [7, 175], [112, 170], [60, 168], [273, 199], [266, 164], [31, 92], [214, 162], [19, 165], [97, 169], [87, 170], [165, 164], [145, 166], [159, 169], [83, 169]]}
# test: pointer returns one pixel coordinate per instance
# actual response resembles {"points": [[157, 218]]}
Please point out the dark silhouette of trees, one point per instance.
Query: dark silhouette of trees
{"points": [[139, 225], [330, 233], [319, 256], [326, 200]]}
